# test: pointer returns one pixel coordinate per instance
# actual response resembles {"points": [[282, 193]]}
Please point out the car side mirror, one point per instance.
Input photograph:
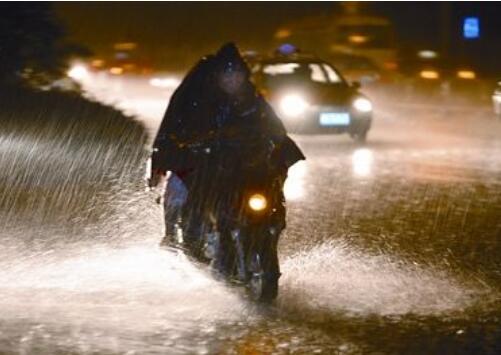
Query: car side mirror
{"points": [[355, 85]]}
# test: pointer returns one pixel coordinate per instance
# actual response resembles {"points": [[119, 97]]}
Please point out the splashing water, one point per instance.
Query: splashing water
{"points": [[80, 270], [119, 294], [334, 277]]}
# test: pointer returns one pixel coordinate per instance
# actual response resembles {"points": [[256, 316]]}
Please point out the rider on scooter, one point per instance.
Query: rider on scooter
{"points": [[216, 100]]}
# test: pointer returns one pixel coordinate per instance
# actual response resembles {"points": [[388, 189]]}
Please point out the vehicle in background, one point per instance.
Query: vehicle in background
{"points": [[430, 74], [352, 33], [496, 99], [357, 68], [125, 58], [310, 95]]}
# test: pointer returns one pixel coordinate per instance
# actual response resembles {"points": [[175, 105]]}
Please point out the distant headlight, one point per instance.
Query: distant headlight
{"points": [[429, 74], [466, 74], [293, 105], [362, 104]]}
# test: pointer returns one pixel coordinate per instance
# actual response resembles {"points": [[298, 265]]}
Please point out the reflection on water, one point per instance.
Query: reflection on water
{"points": [[362, 160]]}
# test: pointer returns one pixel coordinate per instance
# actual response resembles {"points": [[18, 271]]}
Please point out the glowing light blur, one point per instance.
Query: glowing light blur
{"points": [[97, 63], [471, 28], [358, 39], [427, 54], [391, 65], [429, 74], [168, 82], [125, 46], [78, 72], [282, 33], [362, 160], [287, 49], [294, 185], [362, 104], [466, 74], [257, 202], [293, 105], [116, 70]]}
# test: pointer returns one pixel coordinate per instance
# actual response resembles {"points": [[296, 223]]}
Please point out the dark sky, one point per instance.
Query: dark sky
{"points": [[179, 32], [173, 30]]}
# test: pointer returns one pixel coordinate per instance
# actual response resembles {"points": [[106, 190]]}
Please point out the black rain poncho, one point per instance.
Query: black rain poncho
{"points": [[199, 111]]}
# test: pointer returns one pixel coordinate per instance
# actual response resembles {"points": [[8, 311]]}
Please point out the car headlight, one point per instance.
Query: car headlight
{"points": [[258, 202], [362, 104], [293, 105]]}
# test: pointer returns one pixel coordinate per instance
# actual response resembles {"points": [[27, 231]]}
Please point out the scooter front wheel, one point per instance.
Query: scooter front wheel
{"points": [[263, 283]]}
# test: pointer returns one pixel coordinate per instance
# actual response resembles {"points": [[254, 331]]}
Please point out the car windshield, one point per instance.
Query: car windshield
{"points": [[301, 72]]}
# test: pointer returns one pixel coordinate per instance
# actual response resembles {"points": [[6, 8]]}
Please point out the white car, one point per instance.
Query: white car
{"points": [[311, 96]]}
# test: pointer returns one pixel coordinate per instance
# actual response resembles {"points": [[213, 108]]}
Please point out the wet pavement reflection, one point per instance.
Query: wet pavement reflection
{"points": [[391, 247]]}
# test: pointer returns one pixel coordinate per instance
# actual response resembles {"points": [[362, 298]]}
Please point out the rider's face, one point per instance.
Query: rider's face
{"points": [[231, 82]]}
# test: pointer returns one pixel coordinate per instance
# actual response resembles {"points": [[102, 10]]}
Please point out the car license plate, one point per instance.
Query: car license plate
{"points": [[335, 119]]}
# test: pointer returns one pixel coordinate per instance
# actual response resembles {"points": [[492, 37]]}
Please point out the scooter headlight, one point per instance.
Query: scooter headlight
{"points": [[293, 105], [258, 202]]}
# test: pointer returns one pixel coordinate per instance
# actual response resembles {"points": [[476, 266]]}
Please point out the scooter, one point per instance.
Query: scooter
{"points": [[233, 224]]}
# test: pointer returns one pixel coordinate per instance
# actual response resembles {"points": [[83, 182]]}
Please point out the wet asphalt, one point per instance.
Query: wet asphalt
{"points": [[391, 247]]}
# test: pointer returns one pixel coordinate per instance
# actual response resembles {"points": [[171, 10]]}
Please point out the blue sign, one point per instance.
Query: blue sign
{"points": [[471, 28]]}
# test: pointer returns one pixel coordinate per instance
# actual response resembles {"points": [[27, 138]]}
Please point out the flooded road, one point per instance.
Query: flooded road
{"points": [[391, 248]]}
